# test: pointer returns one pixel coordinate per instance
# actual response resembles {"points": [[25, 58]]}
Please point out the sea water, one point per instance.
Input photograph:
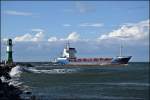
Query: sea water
{"points": [[47, 82]]}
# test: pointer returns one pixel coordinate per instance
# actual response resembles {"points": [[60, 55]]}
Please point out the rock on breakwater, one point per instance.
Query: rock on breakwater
{"points": [[7, 90]]}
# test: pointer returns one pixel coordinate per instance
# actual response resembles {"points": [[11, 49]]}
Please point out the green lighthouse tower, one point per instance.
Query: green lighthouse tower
{"points": [[9, 51]]}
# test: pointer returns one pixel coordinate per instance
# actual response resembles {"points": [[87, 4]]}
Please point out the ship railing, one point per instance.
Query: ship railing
{"points": [[90, 59]]}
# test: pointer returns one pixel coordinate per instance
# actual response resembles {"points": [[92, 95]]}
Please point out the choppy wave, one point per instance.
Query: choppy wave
{"points": [[15, 82], [52, 71], [86, 97], [16, 71], [119, 84], [15, 74], [118, 98]]}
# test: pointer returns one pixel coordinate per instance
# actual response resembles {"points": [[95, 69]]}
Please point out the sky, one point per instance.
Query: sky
{"points": [[40, 29]]}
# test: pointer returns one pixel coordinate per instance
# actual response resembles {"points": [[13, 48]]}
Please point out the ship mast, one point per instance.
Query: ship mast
{"points": [[121, 47], [121, 43], [68, 45]]}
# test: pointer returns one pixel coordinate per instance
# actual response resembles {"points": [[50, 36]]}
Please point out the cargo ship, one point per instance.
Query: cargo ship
{"points": [[68, 57]]}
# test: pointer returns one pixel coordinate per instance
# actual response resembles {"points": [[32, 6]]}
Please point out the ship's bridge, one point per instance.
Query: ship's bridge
{"points": [[69, 52]]}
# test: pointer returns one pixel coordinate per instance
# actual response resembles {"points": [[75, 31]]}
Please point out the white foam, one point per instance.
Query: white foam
{"points": [[16, 71], [52, 71], [3, 79], [15, 83]]}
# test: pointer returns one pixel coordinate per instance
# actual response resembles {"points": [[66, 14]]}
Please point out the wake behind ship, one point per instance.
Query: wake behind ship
{"points": [[68, 57]]}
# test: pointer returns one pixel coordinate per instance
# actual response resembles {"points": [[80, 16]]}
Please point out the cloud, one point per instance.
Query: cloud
{"points": [[106, 45], [67, 25], [18, 13], [82, 7], [86, 25], [132, 31], [28, 37], [52, 39], [91, 25], [40, 37], [74, 36], [37, 30]]}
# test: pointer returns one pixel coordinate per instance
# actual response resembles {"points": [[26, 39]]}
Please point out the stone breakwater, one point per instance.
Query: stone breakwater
{"points": [[8, 91]]}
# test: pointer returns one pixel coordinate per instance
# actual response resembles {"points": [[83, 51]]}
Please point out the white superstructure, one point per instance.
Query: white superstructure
{"points": [[68, 52]]}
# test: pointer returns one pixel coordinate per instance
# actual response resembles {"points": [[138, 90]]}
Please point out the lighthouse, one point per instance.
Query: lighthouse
{"points": [[9, 51]]}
